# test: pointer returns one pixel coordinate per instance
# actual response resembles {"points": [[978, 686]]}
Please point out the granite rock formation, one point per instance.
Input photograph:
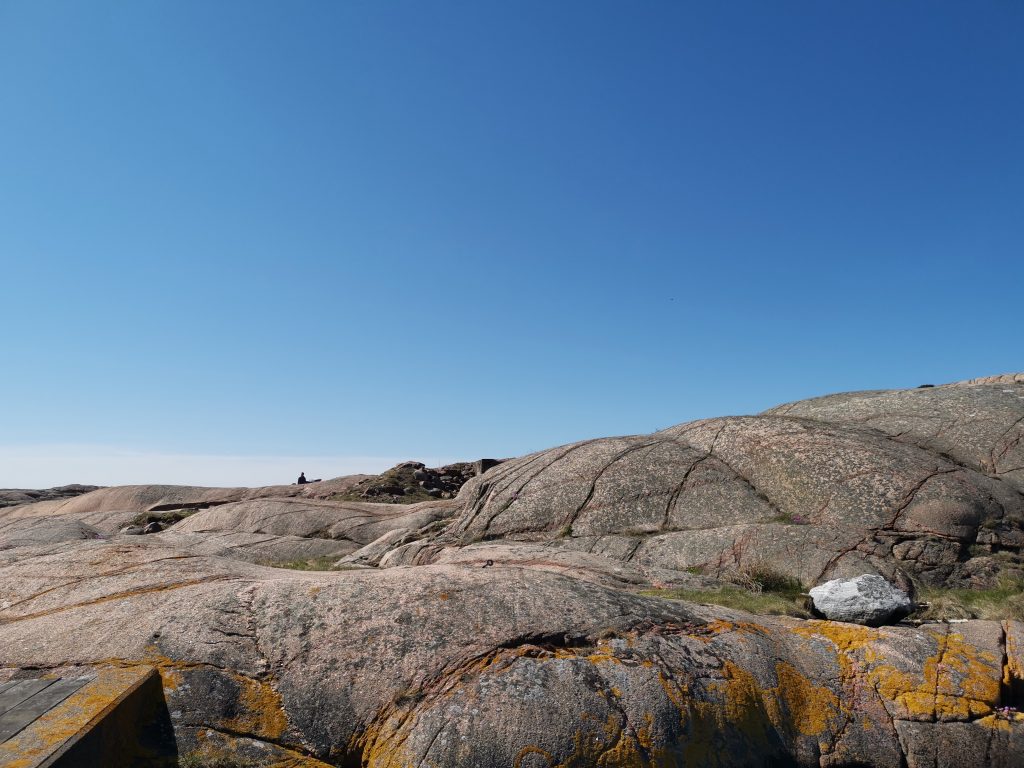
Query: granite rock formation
{"points": [[10, 497], [506, 626]]}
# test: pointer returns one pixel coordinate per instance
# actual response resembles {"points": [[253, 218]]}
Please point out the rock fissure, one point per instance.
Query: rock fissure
{"points": [[571, 517]]}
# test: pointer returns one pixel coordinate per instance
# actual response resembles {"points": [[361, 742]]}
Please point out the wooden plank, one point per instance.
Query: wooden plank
{"points": [[97, 726], [8, 684], [21, 690], [12, 721]]}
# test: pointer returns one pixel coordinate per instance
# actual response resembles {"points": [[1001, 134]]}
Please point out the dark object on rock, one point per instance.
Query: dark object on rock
{"points": [[482, 465], [867, 599], [488, 564], [925, 386], [153, 527], [132, 530]]}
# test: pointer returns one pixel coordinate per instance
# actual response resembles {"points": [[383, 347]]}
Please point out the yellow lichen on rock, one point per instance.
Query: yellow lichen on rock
{"points": [[959, 682], [262, 710], [845, 637], [810, 709]]}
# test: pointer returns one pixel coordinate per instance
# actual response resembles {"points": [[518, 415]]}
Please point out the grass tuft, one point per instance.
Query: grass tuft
{"points": [[755, 589], [310, 564], [1005, 601], [764, 603]]}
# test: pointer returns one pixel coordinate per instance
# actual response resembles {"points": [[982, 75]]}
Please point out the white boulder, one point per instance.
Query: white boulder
{"points": [[868, 599]]}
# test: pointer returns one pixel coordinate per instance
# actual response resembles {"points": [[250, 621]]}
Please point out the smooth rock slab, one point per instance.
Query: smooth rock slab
{"points": [[867, 599]]}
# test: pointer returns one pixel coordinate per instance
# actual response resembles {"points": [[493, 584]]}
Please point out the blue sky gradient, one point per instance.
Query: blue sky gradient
{"points": [[451, 230]]}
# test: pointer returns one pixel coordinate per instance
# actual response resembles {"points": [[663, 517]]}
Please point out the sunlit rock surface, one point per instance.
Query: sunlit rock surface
{"points": [[505, 627]]}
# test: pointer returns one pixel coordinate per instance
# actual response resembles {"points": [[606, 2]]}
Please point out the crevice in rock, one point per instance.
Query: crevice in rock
{"points": [[1011, 692], [1009, 444], [674, 496], [481, 505], [571, 517], [117, 596], [190, 505], [297, 750]]}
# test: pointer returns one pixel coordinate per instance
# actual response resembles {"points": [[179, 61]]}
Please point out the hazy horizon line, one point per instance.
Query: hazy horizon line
{"points": [[38, 466]]}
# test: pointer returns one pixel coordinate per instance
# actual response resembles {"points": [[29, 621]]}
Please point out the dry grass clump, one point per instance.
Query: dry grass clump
{"points": [[763, 603], [310, 564], [1005, 601], [754, 589]]}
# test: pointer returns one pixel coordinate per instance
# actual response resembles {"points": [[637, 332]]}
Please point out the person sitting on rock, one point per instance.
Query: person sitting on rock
{"points": [[302, 478]]}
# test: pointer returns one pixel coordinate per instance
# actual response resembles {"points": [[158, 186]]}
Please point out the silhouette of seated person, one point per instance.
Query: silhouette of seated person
{"points": [[302, 479]]}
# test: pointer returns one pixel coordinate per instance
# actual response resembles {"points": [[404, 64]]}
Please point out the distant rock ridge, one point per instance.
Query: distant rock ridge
{"points": [[10, 497]]}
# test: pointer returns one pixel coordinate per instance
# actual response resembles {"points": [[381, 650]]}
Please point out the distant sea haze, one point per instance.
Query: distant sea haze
{"points": [[47, 466]]}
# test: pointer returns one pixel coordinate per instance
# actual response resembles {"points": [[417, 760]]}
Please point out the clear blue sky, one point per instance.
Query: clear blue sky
{"points": [[451, 230]]}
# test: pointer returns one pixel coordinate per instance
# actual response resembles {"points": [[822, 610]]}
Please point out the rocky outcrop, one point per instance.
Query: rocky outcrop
{"points": [[978, 424], [111, 509], [30, 531], [11, 497], [811, 499], [413, 481], [384, 667], [357, 522], [510, 625]]}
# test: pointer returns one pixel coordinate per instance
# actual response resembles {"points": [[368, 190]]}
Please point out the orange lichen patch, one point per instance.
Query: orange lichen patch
{"points": [[707, 727], [443, 596], [602, 656], [721, 627], [958, 682], [219, 748], [794, 704], [383, 743], [1014, 669], [742, 695], [261, 709], [676, 693], [811, 708], [846, 637], [262, 712], [1002, 721]]}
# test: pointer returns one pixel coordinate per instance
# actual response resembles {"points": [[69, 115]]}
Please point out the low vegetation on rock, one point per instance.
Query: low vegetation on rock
{"points": [[411, 481]]}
